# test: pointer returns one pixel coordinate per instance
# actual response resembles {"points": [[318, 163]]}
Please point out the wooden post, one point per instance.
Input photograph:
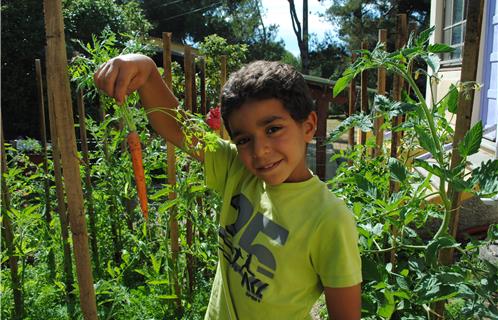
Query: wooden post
{"points": [[88, 183], [321, 132], [381, 90], [61, 206], [8, 236], [470, 58], [223, 79], [352, 103], [364, 95], [202, 74], [173, 222], [43, 136], [58, 77]]}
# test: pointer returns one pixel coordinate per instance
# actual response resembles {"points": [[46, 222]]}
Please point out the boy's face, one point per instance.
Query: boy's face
{"points": [[270, 143]]}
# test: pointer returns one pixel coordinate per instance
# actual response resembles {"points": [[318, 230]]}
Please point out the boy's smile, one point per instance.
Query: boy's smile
{"points": [[271, 144]]}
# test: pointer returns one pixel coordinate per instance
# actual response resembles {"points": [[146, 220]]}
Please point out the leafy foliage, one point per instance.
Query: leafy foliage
{"points": [[403, 276]]}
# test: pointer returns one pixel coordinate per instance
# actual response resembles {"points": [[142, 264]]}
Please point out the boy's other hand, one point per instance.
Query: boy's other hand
{"points": [[122, 75]]}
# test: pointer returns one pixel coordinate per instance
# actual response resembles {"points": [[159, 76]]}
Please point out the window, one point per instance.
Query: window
{"points": [[455, 13]]}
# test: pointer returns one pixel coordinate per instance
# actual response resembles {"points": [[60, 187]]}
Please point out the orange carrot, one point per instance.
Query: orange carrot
{"points": [[138, 170]]}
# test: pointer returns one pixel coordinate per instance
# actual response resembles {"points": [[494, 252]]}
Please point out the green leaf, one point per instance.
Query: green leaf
{"points": [[435, 245], [361, 121], [433, 61], [156, 264], [423, 37], [425, 140], [157, 282], [450, 102], [471, 141], [386, 310], [167, 296], [397, 169], [432, 168], [167, 205], [343, 82], [440, 48], [485, 179]]}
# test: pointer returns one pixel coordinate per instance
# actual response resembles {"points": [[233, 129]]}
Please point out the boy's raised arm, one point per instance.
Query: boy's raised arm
{"points": [[125, 74]]}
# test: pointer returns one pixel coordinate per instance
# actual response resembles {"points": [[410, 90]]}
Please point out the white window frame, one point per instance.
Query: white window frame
{"points": [[449, 10]]}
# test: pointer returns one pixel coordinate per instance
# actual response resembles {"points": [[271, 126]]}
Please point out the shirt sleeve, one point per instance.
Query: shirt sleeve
{"points": [[218, 163], [335, 254]]}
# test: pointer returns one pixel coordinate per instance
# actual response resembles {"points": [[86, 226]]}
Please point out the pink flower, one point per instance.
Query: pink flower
{"points": [[213, 118]]}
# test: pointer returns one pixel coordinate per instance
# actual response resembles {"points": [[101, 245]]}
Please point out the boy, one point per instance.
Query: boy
{"points": [[284, 238]]}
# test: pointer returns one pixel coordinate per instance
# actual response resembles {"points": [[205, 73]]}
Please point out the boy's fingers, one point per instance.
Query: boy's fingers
{"points": [[98, 76], [121, 85]]}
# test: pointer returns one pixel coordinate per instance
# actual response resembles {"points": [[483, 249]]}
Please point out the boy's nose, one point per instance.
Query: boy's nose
{"points": [[260, 148]]}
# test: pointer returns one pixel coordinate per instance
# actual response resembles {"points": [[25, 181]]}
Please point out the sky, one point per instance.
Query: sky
{"points": [[277, 12]]}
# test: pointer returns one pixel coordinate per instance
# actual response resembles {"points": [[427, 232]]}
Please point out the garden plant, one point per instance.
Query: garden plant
{"points": [[403, 229]]}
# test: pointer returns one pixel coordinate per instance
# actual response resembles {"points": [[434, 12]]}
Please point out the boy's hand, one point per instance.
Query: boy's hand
{"points": [[122, 75]]}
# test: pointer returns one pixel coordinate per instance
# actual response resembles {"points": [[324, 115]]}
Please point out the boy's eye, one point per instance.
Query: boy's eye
{"points": [[241, 141], [271, 130]]}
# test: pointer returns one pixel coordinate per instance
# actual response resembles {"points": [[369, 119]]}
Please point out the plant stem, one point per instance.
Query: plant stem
{"points": [[439, 156]]}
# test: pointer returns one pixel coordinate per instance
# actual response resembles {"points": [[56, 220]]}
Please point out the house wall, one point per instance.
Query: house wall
{"points": [[451, 74]]}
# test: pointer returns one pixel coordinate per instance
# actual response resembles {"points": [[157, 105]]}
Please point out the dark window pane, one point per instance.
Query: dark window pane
{"points": [[456, 35], [457, 11]]}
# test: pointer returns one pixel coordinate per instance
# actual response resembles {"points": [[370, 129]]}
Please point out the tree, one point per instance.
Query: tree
{"points": [[301, 33], [23, 40], [359, 21]]}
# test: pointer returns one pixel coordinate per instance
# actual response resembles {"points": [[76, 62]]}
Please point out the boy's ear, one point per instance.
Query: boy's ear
{"points": [[310, 126]]}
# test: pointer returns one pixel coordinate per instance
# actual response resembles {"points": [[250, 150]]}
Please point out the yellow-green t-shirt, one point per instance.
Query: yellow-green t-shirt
{"points": [[278, 245]]}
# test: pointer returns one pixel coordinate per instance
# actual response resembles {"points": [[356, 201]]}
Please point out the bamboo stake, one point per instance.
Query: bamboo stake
{"points": [[352, 103], [88, 183], [61, 206], [173, 222], [46, 182], [364, 95], [8, 236], [58, 77], [381, 90], [188, 104], [202, 74]]}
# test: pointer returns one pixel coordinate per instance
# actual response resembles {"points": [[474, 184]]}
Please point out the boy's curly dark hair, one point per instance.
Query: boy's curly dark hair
{"points": [[261, 80]]}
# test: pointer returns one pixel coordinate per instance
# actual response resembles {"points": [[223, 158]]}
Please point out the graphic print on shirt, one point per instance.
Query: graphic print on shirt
{"points": [[239, 256]]}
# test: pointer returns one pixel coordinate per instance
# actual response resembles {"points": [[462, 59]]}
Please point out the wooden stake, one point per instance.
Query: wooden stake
{"points": [[46, 182], [187, 68], [61, 206], [88, 182], [381, 90], [8, 236], [58, 77], [173, 222]]}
